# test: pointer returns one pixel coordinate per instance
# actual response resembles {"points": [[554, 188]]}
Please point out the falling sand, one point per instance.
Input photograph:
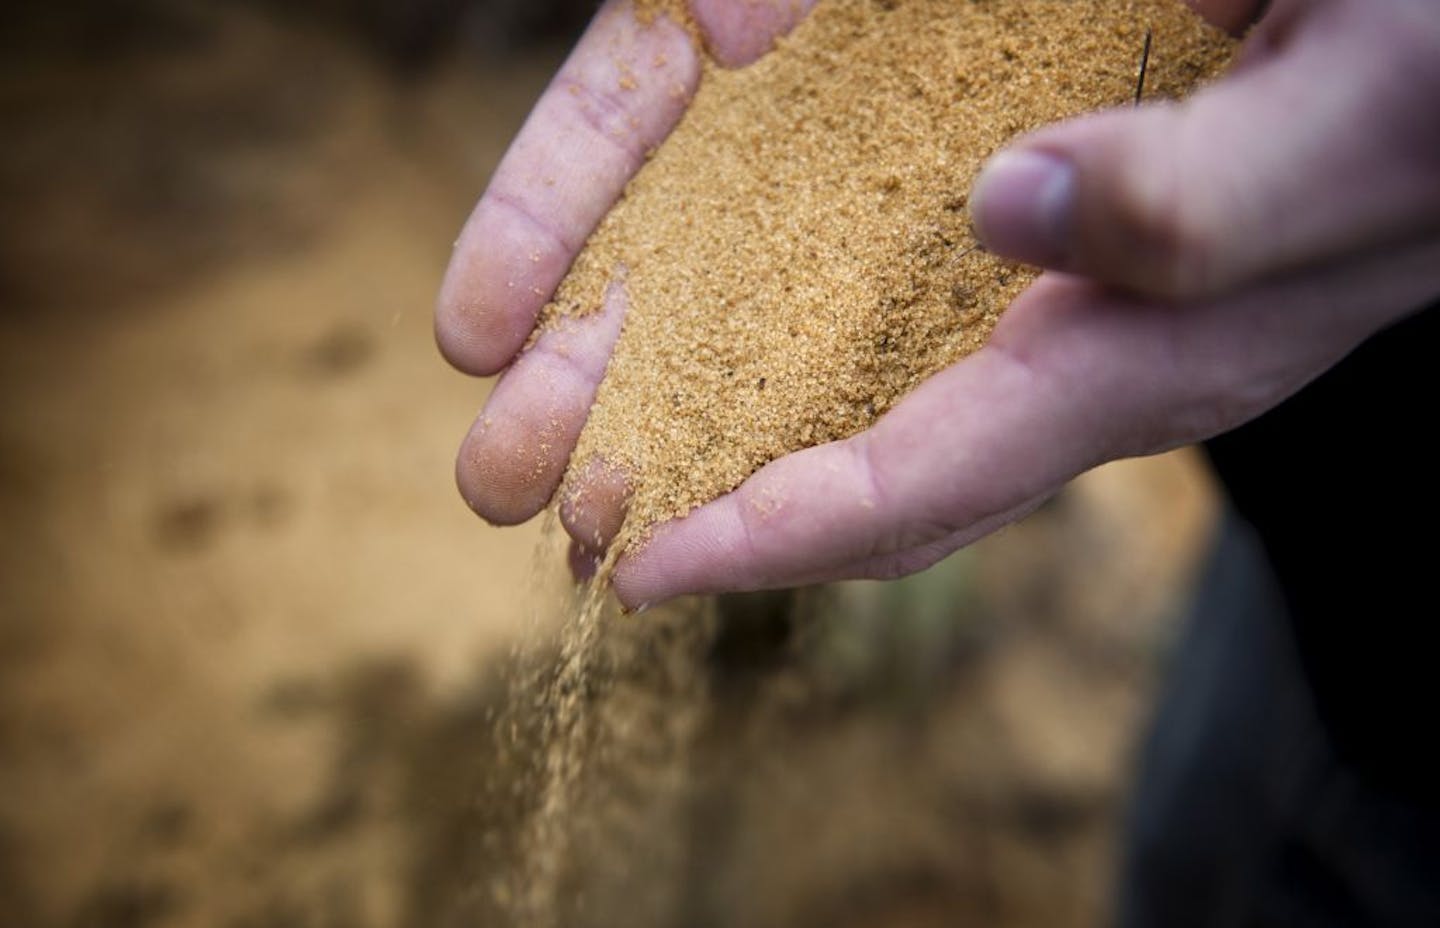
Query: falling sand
{"points": [[798, 255]]}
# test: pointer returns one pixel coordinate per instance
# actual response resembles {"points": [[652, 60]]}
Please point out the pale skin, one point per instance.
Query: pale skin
{"points": [[1206, 260]]}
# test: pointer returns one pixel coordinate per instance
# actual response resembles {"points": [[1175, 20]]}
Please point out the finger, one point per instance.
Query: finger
{"points": [[617, 96], [1073, 377], [739, 31], [583, 562], [592, 507], [1258, 175], [515, 454]]}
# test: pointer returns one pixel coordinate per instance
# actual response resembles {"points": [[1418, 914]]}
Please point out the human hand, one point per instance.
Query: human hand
{"points": [[1263, 229]]}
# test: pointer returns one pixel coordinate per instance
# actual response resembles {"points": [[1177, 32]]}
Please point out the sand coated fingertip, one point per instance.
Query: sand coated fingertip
{"points": [[507, 470], [593, 503]]}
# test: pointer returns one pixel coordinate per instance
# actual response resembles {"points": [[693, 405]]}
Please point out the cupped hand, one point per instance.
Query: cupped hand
{"points": [[1209, 258]]}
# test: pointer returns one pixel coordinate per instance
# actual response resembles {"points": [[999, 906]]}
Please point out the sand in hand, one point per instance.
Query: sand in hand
{"points": [[798, 254]]}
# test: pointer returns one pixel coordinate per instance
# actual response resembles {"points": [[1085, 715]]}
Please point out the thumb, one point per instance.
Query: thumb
{"points": [[1325, 146]]}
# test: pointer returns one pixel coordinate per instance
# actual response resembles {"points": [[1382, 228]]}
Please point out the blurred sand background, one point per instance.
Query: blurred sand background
{"points": [[249, 635]]}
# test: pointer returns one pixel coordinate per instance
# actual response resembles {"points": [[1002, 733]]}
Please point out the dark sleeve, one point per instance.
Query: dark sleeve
{"points": [[1340, 483]]}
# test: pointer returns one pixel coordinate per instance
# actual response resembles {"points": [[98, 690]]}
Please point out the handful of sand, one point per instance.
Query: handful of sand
{"points": [[798, 254]]}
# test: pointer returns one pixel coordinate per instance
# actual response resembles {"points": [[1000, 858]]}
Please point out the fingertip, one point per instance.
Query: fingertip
{"points": [[506, 471], [593, 504], [582, 561], [739, 33], [634, 582], [1117, 196], [629, 598], [472, 339], [504, 268], [1023, 203], [707, 551]]}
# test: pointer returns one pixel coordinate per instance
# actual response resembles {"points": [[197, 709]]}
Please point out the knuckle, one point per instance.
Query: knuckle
{"points": [[1165, 239], [909, 534], [1232, 403], [1169, 254], [897, 566], [890, 568]]}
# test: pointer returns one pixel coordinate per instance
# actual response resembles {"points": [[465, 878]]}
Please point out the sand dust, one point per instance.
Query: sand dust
{"points": [[798, 255], [603, 714]]}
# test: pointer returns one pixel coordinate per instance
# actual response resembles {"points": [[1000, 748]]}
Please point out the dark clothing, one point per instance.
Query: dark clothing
{"points": [[1290, 778], [1244, 816], [1342, 483]]}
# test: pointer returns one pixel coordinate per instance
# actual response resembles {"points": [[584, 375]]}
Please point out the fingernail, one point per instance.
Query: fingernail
{"points": [[1022, 204]]}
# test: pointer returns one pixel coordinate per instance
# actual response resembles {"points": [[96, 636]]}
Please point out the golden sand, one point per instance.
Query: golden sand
{"points": [[798, 254]]}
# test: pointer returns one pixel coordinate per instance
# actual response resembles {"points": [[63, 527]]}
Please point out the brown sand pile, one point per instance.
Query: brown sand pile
{"points": [[798, 253]]}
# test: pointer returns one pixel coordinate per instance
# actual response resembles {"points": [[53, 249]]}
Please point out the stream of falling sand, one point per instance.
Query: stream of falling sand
{"points": [[620, 705]]}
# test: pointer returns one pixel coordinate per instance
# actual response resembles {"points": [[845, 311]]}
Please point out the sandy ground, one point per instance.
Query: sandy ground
{"points": [[249, 635]]}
